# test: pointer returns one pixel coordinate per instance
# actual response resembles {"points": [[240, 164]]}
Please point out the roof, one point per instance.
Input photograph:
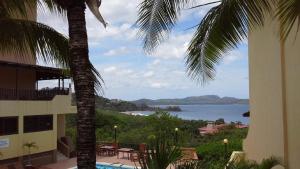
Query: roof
{"points": [[42, 72]]}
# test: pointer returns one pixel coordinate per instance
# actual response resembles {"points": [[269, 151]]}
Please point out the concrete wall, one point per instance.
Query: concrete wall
{"points": [[274, 96], [46, 140], [61, 125], [292, 60]]}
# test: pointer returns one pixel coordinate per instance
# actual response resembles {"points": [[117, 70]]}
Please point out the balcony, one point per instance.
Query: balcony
{"points": [[42, 94]]}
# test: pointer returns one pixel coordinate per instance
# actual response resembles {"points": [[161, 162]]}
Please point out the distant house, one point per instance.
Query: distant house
{"points": [[212, 128]]}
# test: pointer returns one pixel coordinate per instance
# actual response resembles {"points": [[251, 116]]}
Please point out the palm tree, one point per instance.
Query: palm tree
{"points": [[30, 146], [160, 155], [23, 36], [225, 25], [84, 75]]}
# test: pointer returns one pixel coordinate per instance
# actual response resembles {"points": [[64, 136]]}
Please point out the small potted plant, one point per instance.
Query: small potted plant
{"points": [[29, 146]]}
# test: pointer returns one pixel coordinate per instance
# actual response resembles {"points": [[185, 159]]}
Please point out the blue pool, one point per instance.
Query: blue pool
{"points": [[111, 166]]}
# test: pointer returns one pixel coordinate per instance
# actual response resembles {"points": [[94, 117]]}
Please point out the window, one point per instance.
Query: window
{"points": [[9, 125], [38, 123]]}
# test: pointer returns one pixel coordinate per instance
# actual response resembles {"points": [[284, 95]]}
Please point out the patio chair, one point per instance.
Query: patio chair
{"points": [[115, 148], [100, 151], [141, 153]]}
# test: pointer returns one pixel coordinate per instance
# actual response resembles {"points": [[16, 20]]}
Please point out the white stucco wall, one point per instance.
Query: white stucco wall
{"points": [[274, 94]]}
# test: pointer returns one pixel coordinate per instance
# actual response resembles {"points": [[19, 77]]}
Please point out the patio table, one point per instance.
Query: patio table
{"points": [[124, 150], [108, 149]]}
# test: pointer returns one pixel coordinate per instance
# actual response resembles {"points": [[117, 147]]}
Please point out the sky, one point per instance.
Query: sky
{"points": [[129, 73]]}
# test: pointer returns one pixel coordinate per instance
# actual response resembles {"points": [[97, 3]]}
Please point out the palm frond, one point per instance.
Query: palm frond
{"points": [[221, 30], [288, 12], [269, 163], [28, 37], [94, 7], [30, 145], [16, 8], [98, 80], [160, 155], [156, 19]]}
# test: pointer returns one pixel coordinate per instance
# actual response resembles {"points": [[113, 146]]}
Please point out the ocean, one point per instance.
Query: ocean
{"points": [[230, 113]]}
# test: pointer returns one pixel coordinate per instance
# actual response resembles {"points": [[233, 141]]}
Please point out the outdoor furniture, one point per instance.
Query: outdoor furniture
{"points": [[188, 155], [108, 150], [141, 153], [99, 150], [125, 151]]}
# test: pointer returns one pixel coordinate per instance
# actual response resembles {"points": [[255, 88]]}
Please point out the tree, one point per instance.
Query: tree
{"points": [[83, 77], [30, 146], [225, 25], [160, 155], [83, 73]]}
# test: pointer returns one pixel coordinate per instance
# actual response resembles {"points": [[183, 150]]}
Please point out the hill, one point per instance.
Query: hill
{"points": [[207, 99], [121, 105]]}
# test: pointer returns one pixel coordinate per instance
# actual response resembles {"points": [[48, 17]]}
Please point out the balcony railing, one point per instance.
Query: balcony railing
{"points": [[43, 94]]}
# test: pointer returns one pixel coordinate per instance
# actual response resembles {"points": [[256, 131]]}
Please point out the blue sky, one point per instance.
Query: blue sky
{"points": [[131, 74]]}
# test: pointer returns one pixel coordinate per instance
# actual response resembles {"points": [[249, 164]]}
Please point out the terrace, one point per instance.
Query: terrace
{"points": [[21, 81]]}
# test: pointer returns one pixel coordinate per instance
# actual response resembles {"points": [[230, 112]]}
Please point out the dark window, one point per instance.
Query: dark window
{"points": [[8, 125], [38, 123]]}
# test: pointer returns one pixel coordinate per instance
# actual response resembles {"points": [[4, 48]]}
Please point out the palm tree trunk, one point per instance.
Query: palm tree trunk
{"points": [[84, 86]]}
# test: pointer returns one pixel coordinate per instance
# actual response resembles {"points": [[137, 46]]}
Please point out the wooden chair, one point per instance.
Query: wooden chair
{"points": [[141, 153]]}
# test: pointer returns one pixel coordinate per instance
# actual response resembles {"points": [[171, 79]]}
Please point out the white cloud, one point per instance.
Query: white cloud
{"points": [[159, 85], [233, 56], [149, 74], [118, 51], [111, 69], [174, 48]]}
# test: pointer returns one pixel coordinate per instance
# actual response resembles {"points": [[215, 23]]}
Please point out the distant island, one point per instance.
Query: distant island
{"points": [[152, 105], [207, 99], [121, 106]]}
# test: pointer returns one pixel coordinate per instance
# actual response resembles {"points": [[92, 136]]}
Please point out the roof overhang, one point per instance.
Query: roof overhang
{"points": [[42, 72]]}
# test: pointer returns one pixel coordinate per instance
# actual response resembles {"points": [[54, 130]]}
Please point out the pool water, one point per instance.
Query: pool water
{"points": [[111, 166], [115, 166]]}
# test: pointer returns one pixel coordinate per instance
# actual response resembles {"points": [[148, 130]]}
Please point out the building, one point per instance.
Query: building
{"points": [[29, 113], [212, 128], [274, 95]]}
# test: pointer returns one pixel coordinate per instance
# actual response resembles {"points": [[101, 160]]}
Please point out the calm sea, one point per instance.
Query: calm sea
{"points": [[230, 113]]}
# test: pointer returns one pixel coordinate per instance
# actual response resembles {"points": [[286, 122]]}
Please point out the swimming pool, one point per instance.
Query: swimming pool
{"points": [[103, 165]]}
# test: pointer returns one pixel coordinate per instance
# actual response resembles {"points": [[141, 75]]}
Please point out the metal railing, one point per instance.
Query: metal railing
{"points": [[23, 94]]}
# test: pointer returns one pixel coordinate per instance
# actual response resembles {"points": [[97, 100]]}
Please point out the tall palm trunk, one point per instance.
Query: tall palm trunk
{"points": [[84, 86]]}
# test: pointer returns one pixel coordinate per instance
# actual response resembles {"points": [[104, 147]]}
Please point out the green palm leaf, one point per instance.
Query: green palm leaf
{"points": [[221, 30], [156, 18], [23, 37], [289, 14]]}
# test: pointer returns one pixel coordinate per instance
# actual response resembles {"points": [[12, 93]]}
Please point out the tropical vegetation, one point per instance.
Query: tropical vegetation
{"points": [[226, 24], [29, 146], [242, 164], [22, 36], [160, 127]]}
